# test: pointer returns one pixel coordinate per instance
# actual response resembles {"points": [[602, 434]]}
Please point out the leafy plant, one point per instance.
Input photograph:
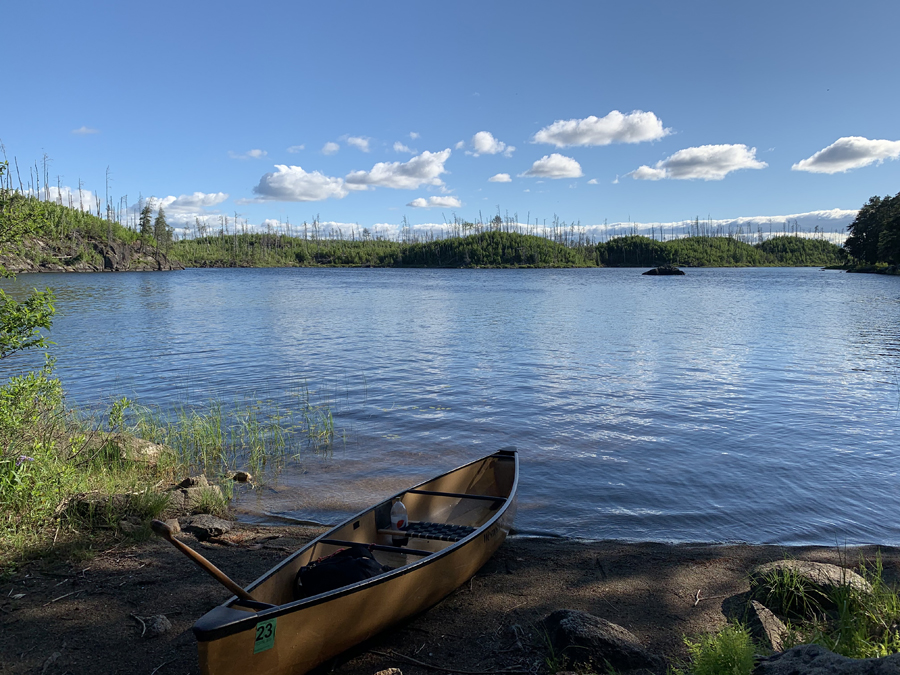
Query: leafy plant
{"points": [[727, 652]]}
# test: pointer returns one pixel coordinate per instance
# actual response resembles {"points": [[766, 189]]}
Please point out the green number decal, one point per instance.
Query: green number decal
{"points": [[265, 636]]}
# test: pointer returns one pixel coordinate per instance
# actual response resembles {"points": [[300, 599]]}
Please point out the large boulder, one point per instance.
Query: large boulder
{"points": [[585, 640], [796, 583], [816, 660]]}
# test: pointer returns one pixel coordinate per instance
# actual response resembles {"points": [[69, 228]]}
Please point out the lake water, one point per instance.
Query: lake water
{"points": [[757, 405]]}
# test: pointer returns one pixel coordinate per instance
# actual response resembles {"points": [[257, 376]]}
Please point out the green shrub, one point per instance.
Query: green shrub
{"points": [[727, 652]]}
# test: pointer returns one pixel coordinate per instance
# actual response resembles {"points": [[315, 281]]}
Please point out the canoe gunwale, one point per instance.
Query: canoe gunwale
{"points": [[249, 620]]}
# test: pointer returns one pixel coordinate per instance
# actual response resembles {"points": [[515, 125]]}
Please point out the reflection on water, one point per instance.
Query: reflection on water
{"points": [[740, 404]]}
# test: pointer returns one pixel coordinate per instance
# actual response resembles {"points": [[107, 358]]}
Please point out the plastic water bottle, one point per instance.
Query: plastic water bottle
{"points": [[399, 521]]}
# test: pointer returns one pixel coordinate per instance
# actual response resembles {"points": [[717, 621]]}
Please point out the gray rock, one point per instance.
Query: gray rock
{"points": [[821, 575], [816, 660], [130, 524], [205, 526], [153, 626], [664, 270], [194, 482], [587, 640], [766, 627]]}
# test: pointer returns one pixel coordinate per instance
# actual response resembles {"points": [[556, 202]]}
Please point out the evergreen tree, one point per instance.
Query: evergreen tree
{"points": [[146, 220], [161, 229]]}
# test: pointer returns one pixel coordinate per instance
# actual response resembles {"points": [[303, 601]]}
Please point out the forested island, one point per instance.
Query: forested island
{"points": [[44, 236], [53, 237]]}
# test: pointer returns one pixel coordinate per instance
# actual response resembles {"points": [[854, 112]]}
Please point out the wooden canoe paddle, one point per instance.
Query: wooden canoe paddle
{"points": [[161, 529]]}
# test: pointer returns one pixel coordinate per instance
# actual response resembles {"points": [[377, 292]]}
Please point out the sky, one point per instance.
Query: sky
{"points": [[365, 114]]}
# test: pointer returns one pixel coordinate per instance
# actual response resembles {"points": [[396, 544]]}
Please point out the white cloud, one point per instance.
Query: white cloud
{"points": [[359, 142], [554, 166], [294, 149], [330, 148], [500, 178], [484, 143], [293, 184], [423, 169], [460, 145], [593, 181], [400, 147], [432, 202], [193, 202], [413, 135], [635, 127], [250, 154], [85, 131], [849, 152], [707, 162]]}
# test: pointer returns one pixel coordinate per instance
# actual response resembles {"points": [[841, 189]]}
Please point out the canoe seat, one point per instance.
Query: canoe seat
{"points": [[419, 529]]}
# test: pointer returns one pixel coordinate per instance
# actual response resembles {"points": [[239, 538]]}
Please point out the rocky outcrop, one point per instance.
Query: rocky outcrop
{"points": [[665, 270], [816, 660], [87, 255], [584, 640]]}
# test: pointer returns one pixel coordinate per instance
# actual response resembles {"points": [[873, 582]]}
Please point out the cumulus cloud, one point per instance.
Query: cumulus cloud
{"points": [[554, 166], [460, 145], [294, 149], [484, 143], [849, 152], [400, 147], [634, 127], [193, 202], [432, 202], [85, 131], [359, 142], [593, 181], [707, 162], [424, 169], [500, 178], [293, 184], [250, 154], [413, 135], [330, 148]]}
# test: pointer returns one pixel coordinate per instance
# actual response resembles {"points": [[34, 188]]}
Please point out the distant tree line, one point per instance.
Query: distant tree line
{"points": [[875, 232]]}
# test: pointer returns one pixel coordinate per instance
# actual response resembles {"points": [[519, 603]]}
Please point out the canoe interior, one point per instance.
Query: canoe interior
{"points": [[492, 476]]}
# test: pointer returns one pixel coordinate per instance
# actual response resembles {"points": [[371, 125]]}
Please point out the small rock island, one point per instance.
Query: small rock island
{"points": [[664, 270]]}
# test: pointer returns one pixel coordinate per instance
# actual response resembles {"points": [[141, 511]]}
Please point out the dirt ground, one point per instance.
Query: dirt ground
{"points": [[80, 617]]}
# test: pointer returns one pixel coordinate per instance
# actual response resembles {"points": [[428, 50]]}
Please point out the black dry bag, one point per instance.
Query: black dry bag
{"points": [[347, 566]]}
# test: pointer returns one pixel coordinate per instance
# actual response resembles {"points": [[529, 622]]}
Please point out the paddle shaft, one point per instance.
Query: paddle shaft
{"points": [[163, 531]]}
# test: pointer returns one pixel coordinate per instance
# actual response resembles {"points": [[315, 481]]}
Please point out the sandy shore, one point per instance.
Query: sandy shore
{"points": [[79, 618]]}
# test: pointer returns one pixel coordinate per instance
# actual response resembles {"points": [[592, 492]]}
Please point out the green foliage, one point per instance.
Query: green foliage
{"points": [[727, 652], [21, 322], [801, 251], [146, 220], [875, 232], [791, 594], [487, 249], [705, 251], [865, 624]]}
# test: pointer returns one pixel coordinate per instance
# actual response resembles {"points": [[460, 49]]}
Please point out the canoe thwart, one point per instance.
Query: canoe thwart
{"points": [[377, 547], [419, 529], [458, 495]]}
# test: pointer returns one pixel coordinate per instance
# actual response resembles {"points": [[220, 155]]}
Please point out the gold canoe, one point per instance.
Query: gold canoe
{"points": [[475, 503]]}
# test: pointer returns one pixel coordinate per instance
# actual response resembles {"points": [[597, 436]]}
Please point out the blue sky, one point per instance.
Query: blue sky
{"points": [[645, 112]]}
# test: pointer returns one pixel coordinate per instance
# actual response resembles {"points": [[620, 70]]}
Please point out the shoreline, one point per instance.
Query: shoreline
{"points": [[81, 609]]}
